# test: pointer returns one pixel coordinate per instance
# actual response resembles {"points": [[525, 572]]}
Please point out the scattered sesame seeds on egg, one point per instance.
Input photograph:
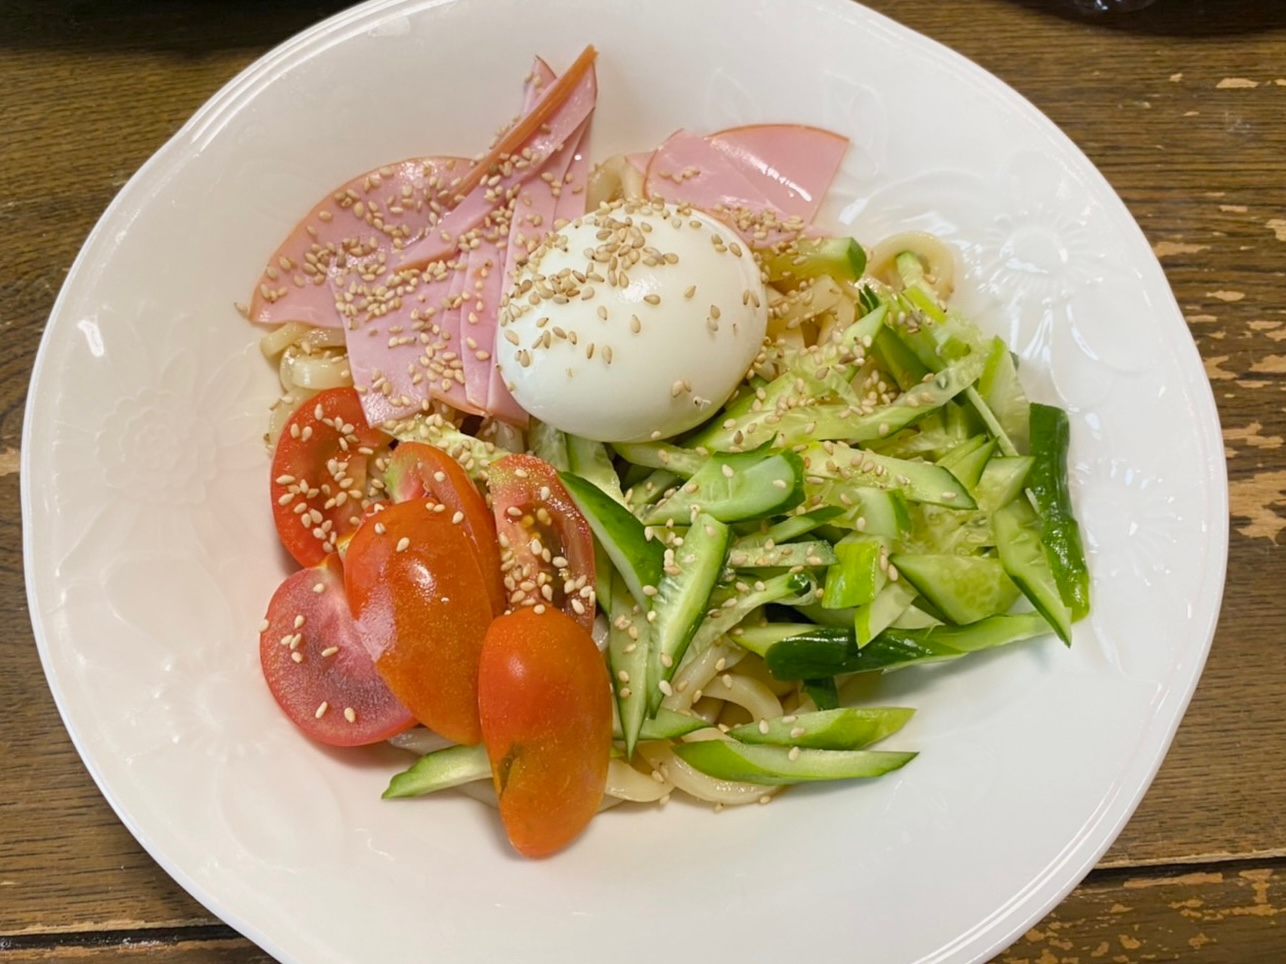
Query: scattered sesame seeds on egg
{"points": [[632, 322]]}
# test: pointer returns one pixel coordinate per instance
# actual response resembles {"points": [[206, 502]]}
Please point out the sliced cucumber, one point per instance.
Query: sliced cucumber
{"points": [[965, 589], [661, 455], [833, 471], [823, 692], [1003, 480], [622, 536], [769, 555], [849, 728], [830, 652], [733, 487], [440, 770], [777, 766], [650, 488], [629, 656], [1018, 543], [1050, 437], [1000, 389], [859, 573], [682, 597], [548, 443], [882, 612], [590, 461], [968, 461], [841, 258]]}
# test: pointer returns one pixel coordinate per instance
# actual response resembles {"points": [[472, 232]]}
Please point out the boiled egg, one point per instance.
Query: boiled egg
{"points": [[634, 322]]}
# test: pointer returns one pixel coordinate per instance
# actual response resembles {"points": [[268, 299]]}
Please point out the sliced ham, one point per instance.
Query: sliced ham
{"points": [[793, 165], [380, 210], [566, 110], [763, 180], [484, 286]]}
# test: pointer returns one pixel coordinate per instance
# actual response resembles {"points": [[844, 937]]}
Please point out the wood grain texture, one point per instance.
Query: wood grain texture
{"points": [[1180, 106]]}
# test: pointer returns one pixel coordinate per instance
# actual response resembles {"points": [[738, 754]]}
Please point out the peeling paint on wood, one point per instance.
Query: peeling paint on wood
{"points": [[1213, 371], [1274, 364], [1236, 83], [1251, 435], [1261, 501], [1164, 249]]}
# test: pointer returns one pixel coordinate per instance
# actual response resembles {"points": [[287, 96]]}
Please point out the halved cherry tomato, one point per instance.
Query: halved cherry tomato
{"points": [[546, 547], [318, 669], [419, 471], [546, 707], [322, 473], [422, 609]]}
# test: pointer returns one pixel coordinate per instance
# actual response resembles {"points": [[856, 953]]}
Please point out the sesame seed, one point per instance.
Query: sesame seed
{"points": [[665, 688], [297, 656], [350, 714], [330, 651], [793, 754], [797, 732], [763, 726], [322, 707], [403, 544]]}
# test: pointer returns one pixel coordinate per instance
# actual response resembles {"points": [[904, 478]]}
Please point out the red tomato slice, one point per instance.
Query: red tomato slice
{"points": [[317, 667], [546, 547], [422, 610], [546, 708], [419, 471], [325, 473]]}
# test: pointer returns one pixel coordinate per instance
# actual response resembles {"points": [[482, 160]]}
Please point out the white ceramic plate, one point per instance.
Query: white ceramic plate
{"points": [[150, 553]]}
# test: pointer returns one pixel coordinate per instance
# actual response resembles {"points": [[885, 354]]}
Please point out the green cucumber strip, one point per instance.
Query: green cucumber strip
{"points": [[771, 554], [889, 604], [550, 444], [590, 461], [830, 653], [893, 356], [629, 656], [968, 461], [1003, 479], [778, 766], [965, 589], [1000, 389], [637, 558], [833, 470], [787, 588], [440, 770], [661, 455], [650, 488], [849, 728], [735, 487], [682, 598], [759, 639], [824, 692], [1003, 441], [669, 725], [1050, 438], [798, 525], [857, 575], [841, 258], [1018, 543]]}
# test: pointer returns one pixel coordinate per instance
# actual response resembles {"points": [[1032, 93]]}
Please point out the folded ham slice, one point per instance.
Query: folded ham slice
{"points": [[375, 212], [529, 159], [766, 181]]}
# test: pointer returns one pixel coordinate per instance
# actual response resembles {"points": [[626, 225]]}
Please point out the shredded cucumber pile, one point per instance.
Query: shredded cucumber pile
{"points": [[878, 493]]}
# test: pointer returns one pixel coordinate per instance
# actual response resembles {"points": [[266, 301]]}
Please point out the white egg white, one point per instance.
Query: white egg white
{"points": [[633, 322]]}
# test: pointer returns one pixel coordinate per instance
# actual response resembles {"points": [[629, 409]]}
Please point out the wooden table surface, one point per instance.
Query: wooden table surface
{"points": [[1182, 106]]}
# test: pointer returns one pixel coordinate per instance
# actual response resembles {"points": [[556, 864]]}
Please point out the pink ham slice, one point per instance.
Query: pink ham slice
{"points": [[532, 160], [380, 210], [761, 180], [794, 164]]}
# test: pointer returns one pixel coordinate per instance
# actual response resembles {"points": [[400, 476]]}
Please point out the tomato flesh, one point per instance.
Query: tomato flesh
{"points": [[317, 667], [421, 607], [325, 472], [546, 546], [545, 702], [419, 471]]}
